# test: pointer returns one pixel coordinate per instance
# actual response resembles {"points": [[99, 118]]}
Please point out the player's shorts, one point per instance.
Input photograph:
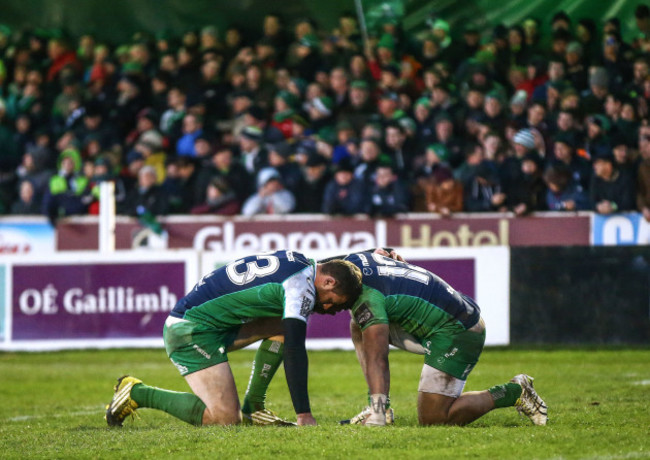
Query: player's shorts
{"points": [[436, 381], [193, 346], [455, 351]]}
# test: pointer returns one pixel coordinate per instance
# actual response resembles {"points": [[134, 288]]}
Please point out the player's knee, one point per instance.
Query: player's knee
{"points": [[437, 418], [434, 409]]}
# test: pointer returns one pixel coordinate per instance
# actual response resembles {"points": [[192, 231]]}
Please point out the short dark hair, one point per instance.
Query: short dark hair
{"points": [[348, 278], [557, 174]]}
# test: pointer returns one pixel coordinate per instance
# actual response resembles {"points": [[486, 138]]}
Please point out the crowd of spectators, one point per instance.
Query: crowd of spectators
{"points": [[304, 120]]}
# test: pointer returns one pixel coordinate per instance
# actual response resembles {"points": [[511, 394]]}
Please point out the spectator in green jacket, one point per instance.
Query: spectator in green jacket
{"points": [[69, 190]]}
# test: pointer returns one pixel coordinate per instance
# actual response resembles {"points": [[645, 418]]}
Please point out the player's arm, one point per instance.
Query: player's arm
{"points": [[296, 368], [375, 351]]}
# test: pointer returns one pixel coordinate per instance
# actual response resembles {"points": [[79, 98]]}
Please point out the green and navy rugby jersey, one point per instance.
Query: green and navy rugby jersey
{"points": [[278, 284], [416, 299]]}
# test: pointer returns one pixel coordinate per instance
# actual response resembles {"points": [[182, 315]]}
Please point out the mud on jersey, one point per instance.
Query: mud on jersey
{"points": [[413, 297], [278, 284]]}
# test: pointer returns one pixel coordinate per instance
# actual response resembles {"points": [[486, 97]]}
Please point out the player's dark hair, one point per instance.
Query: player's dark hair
{"points": [[348, 277]]}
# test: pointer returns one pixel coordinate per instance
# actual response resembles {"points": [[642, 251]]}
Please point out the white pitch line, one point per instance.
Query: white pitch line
{"points": [[88, 410], [642, 382]]}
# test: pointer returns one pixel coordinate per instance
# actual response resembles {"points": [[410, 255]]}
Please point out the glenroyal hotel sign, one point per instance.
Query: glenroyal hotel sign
{"points": [[304, 233]]}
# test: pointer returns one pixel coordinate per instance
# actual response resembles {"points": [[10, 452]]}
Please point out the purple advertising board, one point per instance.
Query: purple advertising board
{"points": [[94, 300], [459, 273]]}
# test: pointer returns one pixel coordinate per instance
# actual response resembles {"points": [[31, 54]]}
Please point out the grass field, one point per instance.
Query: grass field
{"points": [[599, 407]]}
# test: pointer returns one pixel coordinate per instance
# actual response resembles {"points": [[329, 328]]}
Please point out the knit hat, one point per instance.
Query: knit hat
{"points": [[387, 41], [485, 56], [423, 101], [407, 123], [359, 84], [257, 112], [316, 159], [345, 164], [266, 175], [574, 47], [327, 134], [153, 139], [390, 95], [605, 156], [494, 94], [525, 137], [323, 104], [344, 125], [565, 138], [281, 148], [519, 98], [133, 155], [441, 24], [599, 77], [442, 116], [391, 68], [310, 41], [300, 83], [149, 114], [600, 120], [252, 132], [289, 98], [440, 150]]}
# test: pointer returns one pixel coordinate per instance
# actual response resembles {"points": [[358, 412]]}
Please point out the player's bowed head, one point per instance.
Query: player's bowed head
{"points": [[338, 285]]}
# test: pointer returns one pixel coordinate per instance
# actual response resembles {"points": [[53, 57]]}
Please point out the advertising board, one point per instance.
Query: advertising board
{"points": [[83, 300], [325, 233], [620, 230]]}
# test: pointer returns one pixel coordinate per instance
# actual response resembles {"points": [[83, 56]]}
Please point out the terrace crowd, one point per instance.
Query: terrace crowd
{"points": [[298, 119]]}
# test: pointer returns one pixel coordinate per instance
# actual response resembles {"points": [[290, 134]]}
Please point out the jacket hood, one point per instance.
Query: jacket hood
{"points": [[71, 153]]}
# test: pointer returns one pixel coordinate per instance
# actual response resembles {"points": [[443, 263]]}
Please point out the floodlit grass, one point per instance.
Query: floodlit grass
{"points": [[52, 407]]}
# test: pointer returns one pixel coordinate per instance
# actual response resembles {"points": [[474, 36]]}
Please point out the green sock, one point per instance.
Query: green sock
{"points": [[505, 395], [267, 361], [185, 406]]}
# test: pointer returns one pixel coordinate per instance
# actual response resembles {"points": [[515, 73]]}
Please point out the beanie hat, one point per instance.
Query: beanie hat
{"points": [[440, 150], [253, 133], [289, 98], [359, 84], [441, 24], [310, 41], [266, 175], [599, 77], [600, 120], [574, 47], [386, 41], [565, 138], [519, 98], [323, 104], [525, 137]]}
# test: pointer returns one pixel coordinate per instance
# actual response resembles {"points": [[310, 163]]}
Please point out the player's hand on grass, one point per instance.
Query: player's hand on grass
{"points": [[306, 419]]}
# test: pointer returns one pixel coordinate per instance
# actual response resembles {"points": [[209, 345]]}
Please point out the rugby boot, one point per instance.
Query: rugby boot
{"points": [[361, 417], [529, 403], [265, 417], [122, 405]]}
